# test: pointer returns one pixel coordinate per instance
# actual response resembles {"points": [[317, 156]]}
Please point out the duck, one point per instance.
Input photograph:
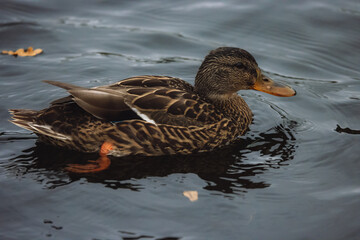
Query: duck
{"points": [[152, 115]]}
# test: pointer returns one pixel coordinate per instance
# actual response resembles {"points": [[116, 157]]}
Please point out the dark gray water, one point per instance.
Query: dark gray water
{"points": [[294, 175]]}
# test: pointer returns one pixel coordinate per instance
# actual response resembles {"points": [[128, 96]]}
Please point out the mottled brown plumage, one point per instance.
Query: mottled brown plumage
{"points": [[155, 115]]}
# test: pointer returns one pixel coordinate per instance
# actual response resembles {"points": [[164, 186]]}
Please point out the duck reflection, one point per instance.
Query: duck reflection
{"points": [[226, 170]]}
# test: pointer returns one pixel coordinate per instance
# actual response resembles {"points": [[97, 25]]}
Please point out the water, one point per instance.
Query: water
{"points": [[294, 175]]}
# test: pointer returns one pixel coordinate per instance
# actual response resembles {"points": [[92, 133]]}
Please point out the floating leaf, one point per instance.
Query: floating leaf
{"points": [[30, 52], [191, 195]]}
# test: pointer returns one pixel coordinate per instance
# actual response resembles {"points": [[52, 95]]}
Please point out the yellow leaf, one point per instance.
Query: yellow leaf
{"points": [[191, 195], [38, 51], [24, 53], [20, 52]]}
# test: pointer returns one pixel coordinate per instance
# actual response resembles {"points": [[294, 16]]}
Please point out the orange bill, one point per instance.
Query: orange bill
{"points": [[267, 85]]}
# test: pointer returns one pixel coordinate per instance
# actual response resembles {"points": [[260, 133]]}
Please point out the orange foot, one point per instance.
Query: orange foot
{"points": [[102, 163]]}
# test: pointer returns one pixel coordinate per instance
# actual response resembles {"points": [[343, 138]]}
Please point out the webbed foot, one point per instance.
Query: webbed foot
{"points": [[100, 164]]}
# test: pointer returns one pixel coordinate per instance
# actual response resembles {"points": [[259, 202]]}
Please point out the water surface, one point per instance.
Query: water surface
{"points": [[294, 175]]}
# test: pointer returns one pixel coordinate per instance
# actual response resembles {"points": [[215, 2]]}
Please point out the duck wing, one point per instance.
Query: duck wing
{"points": [[168, 100], [155, 99], [103, 103], [171, 106]]}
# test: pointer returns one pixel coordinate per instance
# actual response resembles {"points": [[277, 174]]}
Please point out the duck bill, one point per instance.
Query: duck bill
{"points": [[267, 85]]}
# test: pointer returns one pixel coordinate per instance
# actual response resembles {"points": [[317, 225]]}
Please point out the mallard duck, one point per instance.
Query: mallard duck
{"points": [[155, 115]]}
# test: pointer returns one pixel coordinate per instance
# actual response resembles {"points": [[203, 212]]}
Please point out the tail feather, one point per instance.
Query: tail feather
{"points": [[23, 114], [27, 119], [66, 86], [22, 124], [23, 117]]}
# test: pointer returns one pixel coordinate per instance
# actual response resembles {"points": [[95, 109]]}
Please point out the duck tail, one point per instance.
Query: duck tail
{"points": [[28, 119], [23, 117]]}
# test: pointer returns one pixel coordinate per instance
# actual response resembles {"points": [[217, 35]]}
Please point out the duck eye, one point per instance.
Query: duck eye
{"points": [[239, 65]]}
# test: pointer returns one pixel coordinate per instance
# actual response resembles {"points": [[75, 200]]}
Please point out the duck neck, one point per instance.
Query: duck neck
{"points": [[229, 103], [233, 107]]}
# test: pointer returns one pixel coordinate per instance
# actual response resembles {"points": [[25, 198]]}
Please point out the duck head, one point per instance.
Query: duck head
{"points": [[227, 70]]}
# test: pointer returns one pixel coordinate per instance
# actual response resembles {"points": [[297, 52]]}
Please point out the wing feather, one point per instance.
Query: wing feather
{"points": [[174, 107], [155, 99]]}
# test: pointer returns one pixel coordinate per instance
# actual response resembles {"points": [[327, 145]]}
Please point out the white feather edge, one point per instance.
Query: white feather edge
{"points": [[48, 131], [143, 116]]}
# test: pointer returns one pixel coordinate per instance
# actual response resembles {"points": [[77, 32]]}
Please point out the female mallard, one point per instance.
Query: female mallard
{"points": [[155, 115]]}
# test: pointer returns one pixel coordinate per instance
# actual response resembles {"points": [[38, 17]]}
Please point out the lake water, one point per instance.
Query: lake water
{"points": [[294, 175]]}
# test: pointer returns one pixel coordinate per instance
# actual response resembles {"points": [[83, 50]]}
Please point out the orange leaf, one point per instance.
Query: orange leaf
{"points": [[191, 195], [24, 53]]}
